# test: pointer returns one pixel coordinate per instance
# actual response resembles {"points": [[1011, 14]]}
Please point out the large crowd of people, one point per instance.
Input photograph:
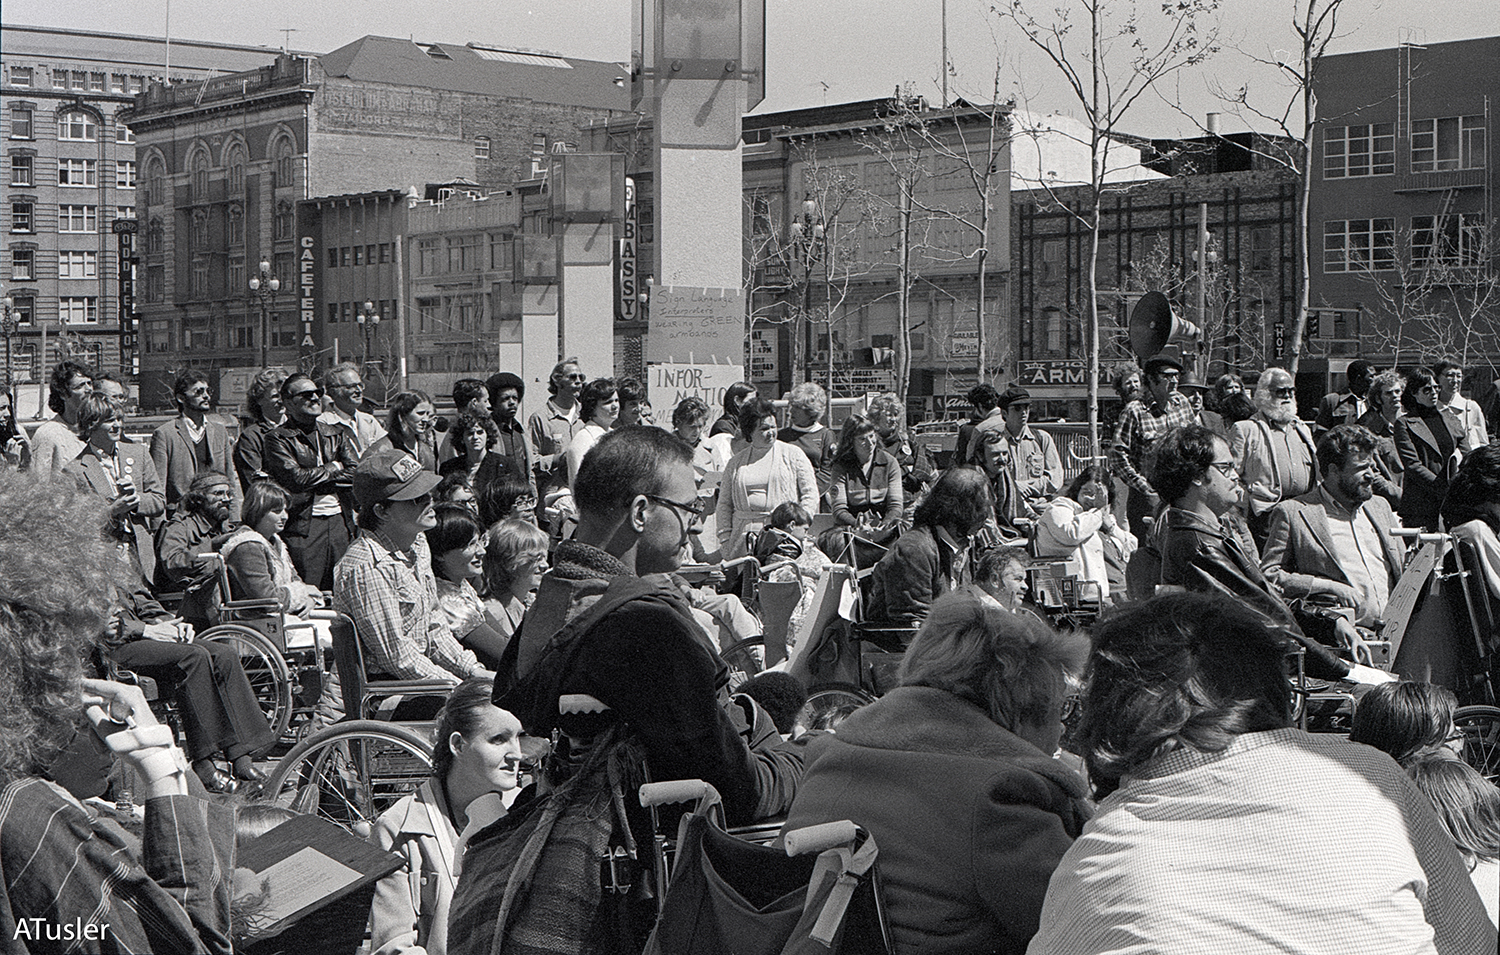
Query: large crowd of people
{"points": [[526, 562]]}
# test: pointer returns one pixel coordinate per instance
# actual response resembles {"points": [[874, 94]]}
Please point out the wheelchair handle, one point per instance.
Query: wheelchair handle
{"points": [[818, 838], [677, 790]]}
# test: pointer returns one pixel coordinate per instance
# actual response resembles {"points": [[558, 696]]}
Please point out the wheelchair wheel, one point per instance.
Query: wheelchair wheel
{"points": [[351, 772], [1481, 728], [264, 666], [746, 658], [828, 703]]}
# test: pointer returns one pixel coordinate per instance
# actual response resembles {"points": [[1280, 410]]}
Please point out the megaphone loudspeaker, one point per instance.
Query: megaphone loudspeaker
{"points": [[1153, 326]]}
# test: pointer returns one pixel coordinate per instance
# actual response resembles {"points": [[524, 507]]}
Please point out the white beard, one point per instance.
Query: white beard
{"points": [[1280, 412]]}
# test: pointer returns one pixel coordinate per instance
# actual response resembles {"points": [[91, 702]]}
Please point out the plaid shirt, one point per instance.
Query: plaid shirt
{"points": [[391, 595], [1139, 426], [1284, 842]]}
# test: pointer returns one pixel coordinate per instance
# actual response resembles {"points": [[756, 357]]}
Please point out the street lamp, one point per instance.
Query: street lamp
{"points": [[369, 323], [8, 328], [264, 287], [808, 246]]}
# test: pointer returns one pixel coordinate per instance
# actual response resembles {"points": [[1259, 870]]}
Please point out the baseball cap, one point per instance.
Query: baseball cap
{"points": [[391, 475]]}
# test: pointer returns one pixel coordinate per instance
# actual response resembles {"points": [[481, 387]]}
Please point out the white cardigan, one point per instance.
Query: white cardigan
{"points": [[792, 479], [1066, 528]]}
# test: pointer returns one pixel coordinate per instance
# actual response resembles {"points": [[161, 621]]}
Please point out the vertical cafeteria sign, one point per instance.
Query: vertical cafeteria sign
{"points": [[307, 264]]}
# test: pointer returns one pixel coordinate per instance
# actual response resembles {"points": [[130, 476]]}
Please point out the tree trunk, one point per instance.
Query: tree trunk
{"points": [[1304, 255], [903, 310], [984, 251]]}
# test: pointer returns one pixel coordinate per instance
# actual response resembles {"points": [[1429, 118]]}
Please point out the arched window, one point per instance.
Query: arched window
{"points": [[200, 230], [286, 220], [285, 162], [154, 236], [236, 225], [156, 181], [236, 164], [199, 167], [78, 126]]}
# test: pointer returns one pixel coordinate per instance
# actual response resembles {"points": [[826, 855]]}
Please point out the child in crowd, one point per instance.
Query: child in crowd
{"points": [[788, 537]]}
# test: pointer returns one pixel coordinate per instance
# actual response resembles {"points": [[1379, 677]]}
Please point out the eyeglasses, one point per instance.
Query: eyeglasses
{"points": [[313, 393], [576, 376], [1284, 392], [1225, 468], [693, 510]]}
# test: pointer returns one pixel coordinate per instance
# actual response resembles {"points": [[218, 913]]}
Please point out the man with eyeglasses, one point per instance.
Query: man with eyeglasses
{"points": [[551, 429], [345, 389], [192, 443], [1273, 450], [54, 444], [312, 461], [608, 622], [1159, 409], [1195, 472]]}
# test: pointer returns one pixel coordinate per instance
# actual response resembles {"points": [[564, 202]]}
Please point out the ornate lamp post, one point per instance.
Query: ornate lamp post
{"points": [[807, 247], [264, 287], [369, 323], [7, 328]]}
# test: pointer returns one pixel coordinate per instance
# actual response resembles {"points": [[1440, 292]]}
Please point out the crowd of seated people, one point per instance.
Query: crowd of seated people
{"points": [[476, 591]]}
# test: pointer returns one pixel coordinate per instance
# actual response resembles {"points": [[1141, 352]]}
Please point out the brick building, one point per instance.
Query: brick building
{"points": [[226, 164], [73, 172], [1149, 242], [1402, 202]]}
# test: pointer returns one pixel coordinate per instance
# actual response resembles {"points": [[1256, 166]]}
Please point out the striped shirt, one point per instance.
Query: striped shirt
{"points": [[1140, 425]]}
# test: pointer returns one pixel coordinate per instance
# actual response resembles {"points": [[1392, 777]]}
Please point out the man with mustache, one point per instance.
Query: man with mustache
{"points": [[1335, 540], [1273, 450]]}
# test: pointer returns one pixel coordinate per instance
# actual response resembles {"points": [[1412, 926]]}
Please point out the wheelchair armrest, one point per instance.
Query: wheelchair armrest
{"points": [[270, 604], [677, 790], [813, 839]]}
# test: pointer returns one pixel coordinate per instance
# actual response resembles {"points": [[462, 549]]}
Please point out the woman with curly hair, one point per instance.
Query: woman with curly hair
{"points": [[265, 410], [918, 470], [408, 427], [953, 774], [763, 475], [473, 438], [66, 868]]}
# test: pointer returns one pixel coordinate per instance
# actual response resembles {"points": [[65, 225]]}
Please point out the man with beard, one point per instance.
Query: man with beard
{"points": [[1335, 540], [184, 543], [1273, 450], [192, 442]]}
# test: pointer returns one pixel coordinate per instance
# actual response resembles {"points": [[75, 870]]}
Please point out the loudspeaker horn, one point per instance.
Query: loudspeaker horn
{"points": [[1153, 326]]}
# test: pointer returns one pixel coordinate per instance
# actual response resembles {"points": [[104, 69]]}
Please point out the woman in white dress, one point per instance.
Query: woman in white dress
{"points": [[759, 478]]}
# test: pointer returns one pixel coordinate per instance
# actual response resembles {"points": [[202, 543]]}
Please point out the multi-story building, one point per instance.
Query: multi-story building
{"points": [[73, 172], [823, 238], [1401, 211], [1148, 241], [226, 163]]}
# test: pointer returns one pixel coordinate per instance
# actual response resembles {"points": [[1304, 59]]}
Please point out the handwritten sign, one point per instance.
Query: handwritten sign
{"points": [[696, 325], [670, 382]]}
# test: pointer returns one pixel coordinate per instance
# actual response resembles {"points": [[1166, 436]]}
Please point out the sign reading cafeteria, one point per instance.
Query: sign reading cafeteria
{"points": [[696, 325]]}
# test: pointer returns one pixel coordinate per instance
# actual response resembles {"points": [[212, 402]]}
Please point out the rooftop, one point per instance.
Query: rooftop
{"points": [[145, 52]]}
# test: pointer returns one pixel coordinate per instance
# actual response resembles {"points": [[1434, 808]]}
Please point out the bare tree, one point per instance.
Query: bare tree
{"points": [[1109, 58], [1226, 289], [1294, 114]]}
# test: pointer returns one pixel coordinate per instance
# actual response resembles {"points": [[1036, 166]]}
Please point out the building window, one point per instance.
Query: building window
{"points": [[235, 219], [427, 256], [1439, 145], [385, 253], [359, 255], [285, 165], [96, 82], [21, 171], [427, 314], [463, 253], [124, 212], [124, 174], [77, 172], [200, 176], [333, 313], [22, 217], [21, 122], [502, 253], [481, 147], [286, 221], [23, 311], [199, 276], [1351, 151], [117, 83], [344, 257], [77, 218], [333, 258], [156, 181], [156, 283], [236, 170], [1052, 261], [123, 133], [238, 281], [155, 237], [77, 265], [137, 84], [1359, 245], [200, 230], [1263, 253], [78, 127], [1451, 240], [22, 265], [20, 76], [80, 80], [78, 310]]}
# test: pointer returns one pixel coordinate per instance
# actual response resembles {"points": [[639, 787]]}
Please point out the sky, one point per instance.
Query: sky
{"points": [[818, 51]]}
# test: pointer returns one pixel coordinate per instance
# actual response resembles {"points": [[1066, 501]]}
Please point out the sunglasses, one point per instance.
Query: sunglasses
{"points": [[314, 393]]}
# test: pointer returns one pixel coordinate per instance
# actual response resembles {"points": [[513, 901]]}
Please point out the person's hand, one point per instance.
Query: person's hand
{"points": [[117, 702], [336, 467], [15, 451], [1153, 501], [124, 720], [1110, 524], [125, 504], [171, 630]]}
